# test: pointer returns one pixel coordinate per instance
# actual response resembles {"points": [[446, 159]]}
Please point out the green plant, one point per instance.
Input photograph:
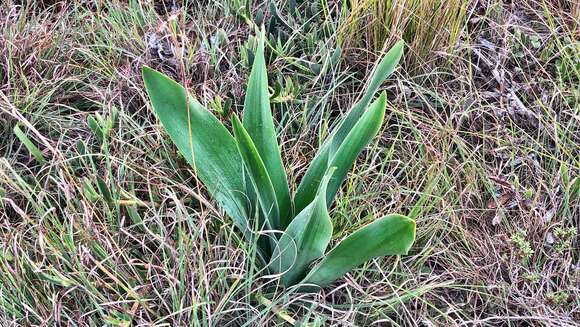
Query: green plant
{"points": [[564, 236], [524, 247], [558, 298], [244, 173]]}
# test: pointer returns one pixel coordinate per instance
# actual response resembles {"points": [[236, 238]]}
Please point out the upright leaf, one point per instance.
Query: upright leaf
{"points": [[260, 126], [383, 70], [391, 235], [305, 239], [204, 142], [325, 156], [258, 174], [362, 133], [359, 137]]}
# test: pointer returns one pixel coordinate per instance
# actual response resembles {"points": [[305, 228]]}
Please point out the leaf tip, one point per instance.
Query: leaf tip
{"points": [[236, 125], [146, 71], [148, 74], [411, 232]]}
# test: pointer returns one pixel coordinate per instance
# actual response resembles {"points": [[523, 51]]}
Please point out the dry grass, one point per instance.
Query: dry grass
{"points": [[119, 232], [426, 26]]}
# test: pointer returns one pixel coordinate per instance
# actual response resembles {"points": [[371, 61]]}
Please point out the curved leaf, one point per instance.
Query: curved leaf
{"points": [[391, 235], [359, 137], [260, 126], [362, 133], [305, 239], [204, 142], [325, 156], [258, 174]]}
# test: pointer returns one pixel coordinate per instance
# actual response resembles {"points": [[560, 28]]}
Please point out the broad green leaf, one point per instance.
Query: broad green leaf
{"points": [[305, 239], [204, 142], [260, 126], [391, 235], [258, 173], [383, 70], [325, 156], [359, 137]]}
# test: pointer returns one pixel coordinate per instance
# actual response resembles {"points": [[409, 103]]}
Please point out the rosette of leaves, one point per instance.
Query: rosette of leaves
{"points": [[243, 172]]}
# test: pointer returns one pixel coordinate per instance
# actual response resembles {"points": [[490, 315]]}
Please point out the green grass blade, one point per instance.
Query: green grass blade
{"points": [[260, 126], [204, 142], [258, 173], [104, 190], [305, 239], [323, 159], [34, 151], [391, 235]]}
